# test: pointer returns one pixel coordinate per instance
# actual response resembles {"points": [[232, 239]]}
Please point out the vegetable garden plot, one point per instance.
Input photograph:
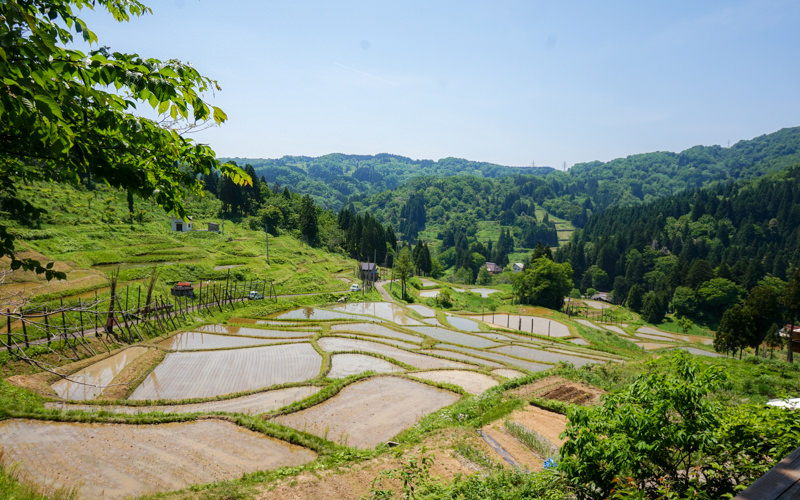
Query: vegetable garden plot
{"points": [[119, 460], [452, 337], [472, 382], [193, 341], [464, 357], [184, 375], [422, 361], [252, 404], [89, 382], [370, 412], [542, 355], [384, 310], [374, 329], [256, 332], [343, 365], [519, 363]]}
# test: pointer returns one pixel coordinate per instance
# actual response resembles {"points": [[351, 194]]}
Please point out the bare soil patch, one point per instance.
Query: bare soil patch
{"points": [[120, 460], [547, 424], [370, 412]]}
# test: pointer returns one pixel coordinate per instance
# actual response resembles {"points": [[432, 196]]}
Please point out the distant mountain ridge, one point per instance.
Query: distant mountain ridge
{"points": [[332, 179], [336, 179]]}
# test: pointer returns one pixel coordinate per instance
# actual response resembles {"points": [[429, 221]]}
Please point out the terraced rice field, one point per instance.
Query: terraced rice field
{"points": [[316, 314], [184, 375], [117, 460], [255, 332], [89, 382], [543, 355], [253, 404], [383, 310], [343, 365], [333, 344], [453, 337], [223, 360], [370, 412], [463, 324], [195, 341], [375, 329], [472, 382], [464, 357], [532, 324]]}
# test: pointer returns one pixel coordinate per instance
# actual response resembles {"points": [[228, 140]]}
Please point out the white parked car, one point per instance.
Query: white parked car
{"points": [[355, 287]]}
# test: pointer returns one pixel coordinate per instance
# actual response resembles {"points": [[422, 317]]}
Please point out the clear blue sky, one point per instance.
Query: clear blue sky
{"points": [[499, 81]]}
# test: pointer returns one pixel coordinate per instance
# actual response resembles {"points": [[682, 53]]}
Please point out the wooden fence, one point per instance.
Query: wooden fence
{"points": [[124, 316]]}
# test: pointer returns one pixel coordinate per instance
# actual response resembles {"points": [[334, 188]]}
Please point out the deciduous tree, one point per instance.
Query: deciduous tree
{"points": [[67, 115]]}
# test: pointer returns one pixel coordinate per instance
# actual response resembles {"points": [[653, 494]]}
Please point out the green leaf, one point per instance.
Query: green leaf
{"points": [[50, 104], [219, 115]]}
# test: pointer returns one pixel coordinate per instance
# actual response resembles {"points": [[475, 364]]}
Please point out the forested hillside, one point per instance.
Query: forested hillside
{"points": [[701, 251], [333, 179]]}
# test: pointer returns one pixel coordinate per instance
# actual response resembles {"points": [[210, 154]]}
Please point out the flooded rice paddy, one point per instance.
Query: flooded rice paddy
{"points": [[185, 375], [89, 382], [472, 382], [370, 412], [256, 332], [464, 324], [119, 460], [375, 329], [334, 344], [343, 365], [384, 310], [453, 337], [195, 341], [532, 324], [252, 404], [256, 356]]}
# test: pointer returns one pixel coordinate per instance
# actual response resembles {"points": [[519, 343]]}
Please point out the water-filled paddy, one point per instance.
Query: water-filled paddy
{"points": [[463, 324], [424, 311], [453, 337], [422, 361], [542, 355], [119, 460], [519, 363], [193, 341], [343, 365], [315, 314], [384, 310], [370, 412], [184, 375], [89, 382], [508, 373], [375, 329], [252, 404], [255, 332], [531, 324], [464, 357], [472, 382]]}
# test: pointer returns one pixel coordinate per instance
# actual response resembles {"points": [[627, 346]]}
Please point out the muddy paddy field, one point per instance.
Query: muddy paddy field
{"points": [[252, 394]]}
